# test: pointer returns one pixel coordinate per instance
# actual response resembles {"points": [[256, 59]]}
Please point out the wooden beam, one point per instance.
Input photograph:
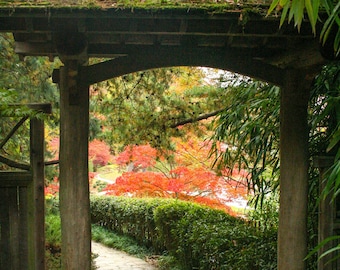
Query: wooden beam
{"points": [[36, 197], [304, 56], [15, 178], [14, 129], [14, 164], [235, 60]]}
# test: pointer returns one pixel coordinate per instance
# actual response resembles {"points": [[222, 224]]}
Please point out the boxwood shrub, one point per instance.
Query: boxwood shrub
{"points": [[197, 237]]}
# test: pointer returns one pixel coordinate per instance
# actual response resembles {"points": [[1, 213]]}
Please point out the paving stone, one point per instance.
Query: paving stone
{"points": [[111, 259]]}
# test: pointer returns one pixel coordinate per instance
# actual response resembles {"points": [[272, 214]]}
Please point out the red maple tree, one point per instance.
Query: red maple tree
{"points": [[99, 153], [139, 156], [190, 179]]}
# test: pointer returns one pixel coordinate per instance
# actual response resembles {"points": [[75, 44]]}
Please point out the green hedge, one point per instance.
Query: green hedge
{"points": [[198, 237], [129, 216]]}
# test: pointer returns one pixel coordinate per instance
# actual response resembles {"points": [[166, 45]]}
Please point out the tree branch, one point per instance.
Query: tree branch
{"points": [[199, 118]]}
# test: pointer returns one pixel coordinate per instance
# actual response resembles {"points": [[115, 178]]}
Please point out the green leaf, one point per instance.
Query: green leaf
{"points": [[321, 244], [273, 6], [334, 140], [333, 17], [312, 12], [297, 9], [284, 2], [284, 14], [330, 251]]}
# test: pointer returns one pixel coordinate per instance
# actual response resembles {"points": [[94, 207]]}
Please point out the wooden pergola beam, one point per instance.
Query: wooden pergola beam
{"points": [[235, 60]]}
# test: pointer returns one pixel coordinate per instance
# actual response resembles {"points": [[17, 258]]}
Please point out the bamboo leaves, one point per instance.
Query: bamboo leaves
{"points": [[295, 10], [250, 129]]}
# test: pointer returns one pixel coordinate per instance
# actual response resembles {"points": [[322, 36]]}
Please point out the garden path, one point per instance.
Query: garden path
{"points": [[111, 259]]}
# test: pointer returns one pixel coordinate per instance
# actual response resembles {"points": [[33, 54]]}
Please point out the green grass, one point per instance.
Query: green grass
{"points": [[110, 172]]}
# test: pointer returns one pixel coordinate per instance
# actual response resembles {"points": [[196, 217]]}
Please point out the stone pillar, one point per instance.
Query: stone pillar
{"points": [[74, 184], [292, 237]]}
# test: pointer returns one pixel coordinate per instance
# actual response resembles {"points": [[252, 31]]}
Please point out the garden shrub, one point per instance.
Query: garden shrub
{"points": [[128, 216], [197, 237], [203, 238]]}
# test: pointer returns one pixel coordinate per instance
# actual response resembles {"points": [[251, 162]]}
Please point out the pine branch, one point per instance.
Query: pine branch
{"points": [[196, 119]]}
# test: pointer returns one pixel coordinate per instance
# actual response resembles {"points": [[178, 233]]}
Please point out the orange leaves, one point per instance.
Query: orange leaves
{"points": [[190, 178], [196, 180], [99, 152], [53, 188], [139, 184], [197, 185], [193, 152], [141, 156]]}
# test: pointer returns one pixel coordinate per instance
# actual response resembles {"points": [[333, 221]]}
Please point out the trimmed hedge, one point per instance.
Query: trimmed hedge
{"points": [[198, 237], [129, 216]]}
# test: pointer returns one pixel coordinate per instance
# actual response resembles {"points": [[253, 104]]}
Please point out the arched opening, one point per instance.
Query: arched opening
{"points": [[151, 39]]}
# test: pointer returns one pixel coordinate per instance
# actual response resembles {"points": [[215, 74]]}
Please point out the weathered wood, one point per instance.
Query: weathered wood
{"points": [[292, 238], [14, 215], [13, 223], [236, 60], [23, 227], [5, 230], [40, 107], [14, 129], [22, 242], [15, 178], [14, 164], [74, 185], [36, 198]]}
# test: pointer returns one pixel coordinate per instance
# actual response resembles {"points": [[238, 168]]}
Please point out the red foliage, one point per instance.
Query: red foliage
{"points": [[139, 184], [141, 156], [53, 147], [99, 153], [192, 179], [196, 185], [193, 152], [53, 188]]}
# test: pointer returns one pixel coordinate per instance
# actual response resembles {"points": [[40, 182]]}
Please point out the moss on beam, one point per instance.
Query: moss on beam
{"points": [[217, 6]]}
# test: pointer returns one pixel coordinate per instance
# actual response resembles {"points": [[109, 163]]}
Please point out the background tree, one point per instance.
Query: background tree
{"points": [[26, 81], [185, 174], [143, 107]]}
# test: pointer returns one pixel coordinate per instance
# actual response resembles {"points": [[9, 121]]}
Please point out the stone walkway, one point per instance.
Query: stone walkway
{"points": [[111, 259]]}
